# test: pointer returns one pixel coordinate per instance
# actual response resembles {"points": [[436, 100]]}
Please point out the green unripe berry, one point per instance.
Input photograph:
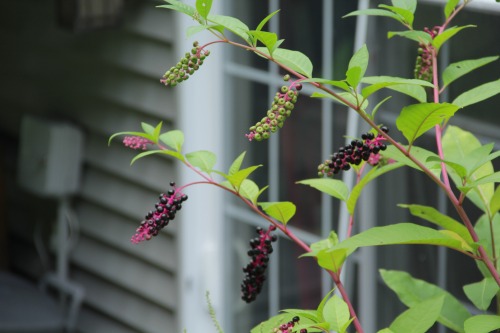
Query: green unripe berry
{"points": [[191, 71], [281, 101], [291, 93], [274, 107], [280, 124], [200, 62], [286, 77], [171, 76], [282, 111], [271, 115], [194, 50], [294, 100], [265, 135], [195, 43], [258, 137], [284, 89], [207, 53], [265, 127], [196, 67], [259, 129], [274, 129], [280, 118], [273, 122], [178, 66], [288, 113], [252, 129], [289, 105]]}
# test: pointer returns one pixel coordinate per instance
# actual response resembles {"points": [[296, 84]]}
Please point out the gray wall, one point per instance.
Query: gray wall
{"points": [[103, 81]]}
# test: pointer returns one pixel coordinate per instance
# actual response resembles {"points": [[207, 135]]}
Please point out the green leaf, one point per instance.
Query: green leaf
{"points": [[458, 168], [180, 7], [482, 324], [248, 189], [478, 94], [458, 145], [281, 211], [372, 174], [349, 97], [484, 231], [493, 178], [331, 259], [174, 139], [495, 202], [459, 69], [418, 36], [269, 39], [440, 39], [267, 18], [386, 330], [164, 152], [353, 76], [232, 24], [236, 165], [237, 178], [450, 7], [379, 82], [199, 28], [377, 107], [402, 233], [404, 13], [324, 244], [410, 87], [203, 7], [413, 291], [416, 119], [481, 293], [269, 325], [339, 84], [139, 134], [419, 153], [410, 5], [296, 60], [434, 216], [203, 159], [359, 59], [148, 129], [334, 187], [309, 314], [418, 318], [336, 313], [321, 306], [376, 12]]}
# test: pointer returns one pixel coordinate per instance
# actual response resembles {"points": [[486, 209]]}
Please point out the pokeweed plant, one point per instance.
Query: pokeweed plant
{"points": [[461, 166]]}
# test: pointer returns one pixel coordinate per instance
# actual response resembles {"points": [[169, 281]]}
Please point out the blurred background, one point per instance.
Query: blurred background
{"points": [[76, 71]]}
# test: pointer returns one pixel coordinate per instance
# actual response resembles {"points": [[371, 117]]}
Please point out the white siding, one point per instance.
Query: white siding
{"points": [[104, 81]]}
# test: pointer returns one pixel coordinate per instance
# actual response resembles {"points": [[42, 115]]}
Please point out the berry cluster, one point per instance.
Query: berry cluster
{"points": [[283, 104], [288, 327], [189, 64], [261, 248], [366, 149], [164, 212], [423, 65], [136, 142]]}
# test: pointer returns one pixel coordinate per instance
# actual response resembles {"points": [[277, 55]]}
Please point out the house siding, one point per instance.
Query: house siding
{"points": [[103, 82]]}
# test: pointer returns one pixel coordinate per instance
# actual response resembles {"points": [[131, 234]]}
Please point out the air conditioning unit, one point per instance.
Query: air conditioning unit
{"points": [[50, 157]]}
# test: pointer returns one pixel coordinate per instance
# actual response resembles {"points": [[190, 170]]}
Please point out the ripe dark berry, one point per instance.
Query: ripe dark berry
{"points": [[159, 218], [366, 149], [254, 271]]}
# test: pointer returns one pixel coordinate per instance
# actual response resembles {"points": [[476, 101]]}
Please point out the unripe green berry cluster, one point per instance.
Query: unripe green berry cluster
{"points": [[261, 248], [186, 67], [423, 64], [288, 327], [283, 104], [367, 149]]}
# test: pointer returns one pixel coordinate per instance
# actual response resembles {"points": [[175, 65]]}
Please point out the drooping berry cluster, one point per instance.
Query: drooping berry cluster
{"points": [[366, 149], [288, 327], [136, 142], [189, 64], [423, 64], [261, 248], [283, 104], [165, 209]]}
